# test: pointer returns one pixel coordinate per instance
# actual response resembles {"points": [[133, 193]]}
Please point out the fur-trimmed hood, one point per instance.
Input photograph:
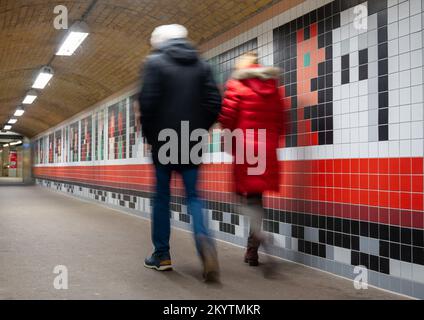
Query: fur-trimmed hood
{"points": [[262, 80], [263, 73]]}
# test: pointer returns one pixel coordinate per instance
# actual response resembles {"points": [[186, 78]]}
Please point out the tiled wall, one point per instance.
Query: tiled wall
{"points": [[352, 163]]}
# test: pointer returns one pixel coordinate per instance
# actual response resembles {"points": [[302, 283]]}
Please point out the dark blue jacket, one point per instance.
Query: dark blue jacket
{"points": [[177, 85]]}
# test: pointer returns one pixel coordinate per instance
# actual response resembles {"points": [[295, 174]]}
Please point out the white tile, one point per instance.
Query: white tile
{"points": [[354, 44], [363, 87], [416, 58], [416, 40], [394, 150], [337, 64], [405, 79], [354, 74], [393, 81], [405, 148], [394, 131], [405, 130], [415, 6], [393, 31], [393, 47], [392, 14], [337, 49], [363, 119], [418, 272], [417, 113], [394, 115], [417, 130], [404, 44], [416, 24], [405, 61], [417, 148], [416, 76], [394, 64], [403, 10], [404, 27], [405, 113], [395, 268], [391, 3], [417, 94]]}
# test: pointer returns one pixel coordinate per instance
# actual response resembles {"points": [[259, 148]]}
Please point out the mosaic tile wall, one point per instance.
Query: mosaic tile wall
{"points": [[352, 164]]}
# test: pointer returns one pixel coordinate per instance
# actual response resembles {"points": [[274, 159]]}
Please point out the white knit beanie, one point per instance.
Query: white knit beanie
{"points": [[167, 32]]}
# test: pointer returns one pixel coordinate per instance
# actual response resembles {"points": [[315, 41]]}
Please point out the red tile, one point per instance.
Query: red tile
{"points": [[417, 166]]}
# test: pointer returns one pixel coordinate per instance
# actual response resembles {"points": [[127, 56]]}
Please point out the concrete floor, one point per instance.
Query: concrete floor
{"points": [[104, 250]]}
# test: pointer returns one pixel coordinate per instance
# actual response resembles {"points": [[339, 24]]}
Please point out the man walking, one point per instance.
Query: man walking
{"points": [[177, 87]]}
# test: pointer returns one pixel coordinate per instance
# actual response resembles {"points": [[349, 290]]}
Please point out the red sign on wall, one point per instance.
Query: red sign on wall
{"points": [[13, 160]]}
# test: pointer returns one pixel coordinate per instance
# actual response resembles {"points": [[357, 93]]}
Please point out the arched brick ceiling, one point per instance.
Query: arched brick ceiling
{"points": [[108, 60]]}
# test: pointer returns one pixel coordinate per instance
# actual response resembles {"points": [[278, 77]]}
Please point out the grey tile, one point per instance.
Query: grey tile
{"points": [[364, 241], [311, 234], [373, 134], [345, 47], [419, 291], [373, 278], [374, 247], [363, 41], [385, 281], [407, 287], [372, 38], [330, 252], [395, 284]]}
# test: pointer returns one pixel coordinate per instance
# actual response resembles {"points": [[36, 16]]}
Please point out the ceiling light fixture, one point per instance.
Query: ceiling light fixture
{"points": [[19, 112], [5, 145], [30, 97], [12, 121], [76, 35], [16, 143], [7, 127], [43, 78]]}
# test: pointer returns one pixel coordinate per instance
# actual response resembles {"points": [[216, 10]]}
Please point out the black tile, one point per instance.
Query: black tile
{"points": [[338, 242], [364, 260], [322, 250], [383, 68], [406, 253], [364, 228], [345, 62], [384, 249], [313, 16], [382, 51], [363, 72], [382, 35], [383, 100], [355, 258], [418, 255], [307, 33], [355, 243], [354, 225], [394, 234], [406, 236], [384, 266], [314, 84], [374, 230], [382, 18], [395, 250], [329, 52], [345, 77], [383, 83], [375, 6], [374, 263], [328, 38], [384, 232], [337, 224], [336, 21], [363, 56], [383, 116], [321, 41], [418, 238], [383, 133]]}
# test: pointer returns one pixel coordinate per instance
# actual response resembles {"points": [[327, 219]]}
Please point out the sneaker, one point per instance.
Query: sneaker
{"points": [[159, 263], [209, 258]]}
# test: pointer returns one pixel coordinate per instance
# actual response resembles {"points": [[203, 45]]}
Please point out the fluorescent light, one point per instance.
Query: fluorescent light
{"points": [[30, 97], [7, 127], [77, 34], [15, 143], [12, 121], [19, 112], [5, 145], [43, 78]]}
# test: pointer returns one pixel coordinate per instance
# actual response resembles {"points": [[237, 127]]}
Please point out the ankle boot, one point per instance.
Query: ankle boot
{"points": [[251, 257]]}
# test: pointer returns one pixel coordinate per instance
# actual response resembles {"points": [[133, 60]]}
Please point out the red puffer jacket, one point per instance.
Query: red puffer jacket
{"points": [[253, 101]]}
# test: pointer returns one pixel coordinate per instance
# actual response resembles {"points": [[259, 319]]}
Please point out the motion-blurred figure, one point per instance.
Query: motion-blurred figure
{"points": [[177, 86], [253, 101]]}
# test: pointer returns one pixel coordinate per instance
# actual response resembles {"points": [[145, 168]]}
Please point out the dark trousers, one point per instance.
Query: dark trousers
{"points": [[161, 225]]}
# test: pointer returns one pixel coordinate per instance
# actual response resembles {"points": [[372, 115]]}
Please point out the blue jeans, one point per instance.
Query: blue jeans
{"points": [[161, 225]]}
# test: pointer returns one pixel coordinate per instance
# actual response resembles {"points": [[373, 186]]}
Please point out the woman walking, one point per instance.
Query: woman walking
{"points": [[252, 101]]}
